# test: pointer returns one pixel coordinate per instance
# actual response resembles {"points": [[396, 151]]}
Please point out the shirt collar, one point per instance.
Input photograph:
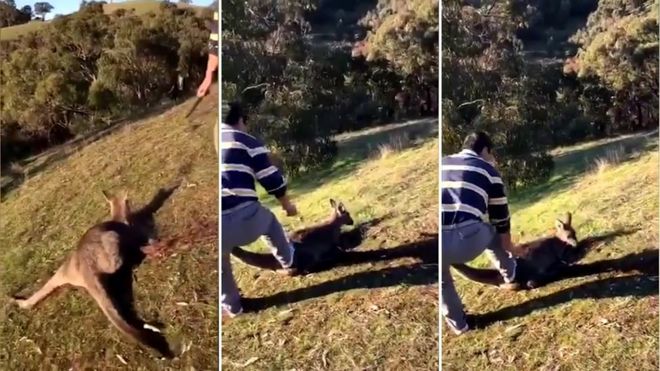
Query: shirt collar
{"points": [[469, 152], [224, 126]]}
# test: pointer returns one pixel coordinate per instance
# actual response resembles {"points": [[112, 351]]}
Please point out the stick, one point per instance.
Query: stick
{"points": [[199, 99]]}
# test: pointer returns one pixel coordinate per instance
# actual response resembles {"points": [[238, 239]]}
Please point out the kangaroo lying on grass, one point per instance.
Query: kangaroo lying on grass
{"points": [[540, 261], [103, 265], [315, 246]]}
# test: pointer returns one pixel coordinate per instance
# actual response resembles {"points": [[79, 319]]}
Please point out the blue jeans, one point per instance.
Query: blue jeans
{"points": [[460, 244], [242, 227]]}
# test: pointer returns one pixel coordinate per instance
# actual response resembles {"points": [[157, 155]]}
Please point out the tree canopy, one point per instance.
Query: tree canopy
{"points": [[302, 89], [81, 71], [491, 81]]}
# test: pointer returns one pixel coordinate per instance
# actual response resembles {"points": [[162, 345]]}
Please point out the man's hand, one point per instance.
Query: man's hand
{"points": [[211, 66], [505, 239], [204, 86], [290, 209], [288, 206]]}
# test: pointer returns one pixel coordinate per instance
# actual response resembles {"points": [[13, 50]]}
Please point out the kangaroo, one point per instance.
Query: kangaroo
{"points": [[540, 261], [103, 264], [314, 246]]}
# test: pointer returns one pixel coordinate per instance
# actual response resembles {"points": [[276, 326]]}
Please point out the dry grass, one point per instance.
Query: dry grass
{"points": [[377, 314], [396, 143], [606, 321], [612, 157], [43, 218]]}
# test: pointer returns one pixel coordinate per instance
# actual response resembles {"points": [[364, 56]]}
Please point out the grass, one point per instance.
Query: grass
{"points": [[381, 313], [43, 217], [139, 6], [605, 321]]}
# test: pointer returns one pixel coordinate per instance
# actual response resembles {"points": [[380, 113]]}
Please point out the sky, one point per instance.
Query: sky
{"points": [[70, 6]]}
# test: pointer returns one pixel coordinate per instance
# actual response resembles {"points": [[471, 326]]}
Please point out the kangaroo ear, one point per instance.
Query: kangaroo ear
{"points": [[341, 207], [106, 196], [559, 224], [569, 218], [333, 203]]}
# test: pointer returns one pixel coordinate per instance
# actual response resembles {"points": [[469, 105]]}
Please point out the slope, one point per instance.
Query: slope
{"points": [[42, 219], [378, 311], [595, 322]]}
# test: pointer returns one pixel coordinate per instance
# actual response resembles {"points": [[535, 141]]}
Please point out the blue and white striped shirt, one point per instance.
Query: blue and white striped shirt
{"points": [[472, 188], [244, 161]]}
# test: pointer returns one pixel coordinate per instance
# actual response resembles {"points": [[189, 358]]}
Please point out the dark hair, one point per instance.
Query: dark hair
{"points": [[477, 142], [235, 114]]}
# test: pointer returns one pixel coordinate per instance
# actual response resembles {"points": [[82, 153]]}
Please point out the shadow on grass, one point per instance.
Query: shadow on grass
{"points": [[423, 273], [572, 165], [642, 284], [593, 242]]}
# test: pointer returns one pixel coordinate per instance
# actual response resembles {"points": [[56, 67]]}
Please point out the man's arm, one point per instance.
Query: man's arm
{"points": [[213, 61], [271, 178], [498, 211]]}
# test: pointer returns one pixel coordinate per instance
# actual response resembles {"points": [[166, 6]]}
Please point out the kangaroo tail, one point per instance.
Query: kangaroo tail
{"points": [[486, 276], [130, 325], [259, 260]]}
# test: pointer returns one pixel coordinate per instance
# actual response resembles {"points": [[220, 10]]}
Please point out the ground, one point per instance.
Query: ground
{"points": [[45, 212], [381, 313], [602, 321]]}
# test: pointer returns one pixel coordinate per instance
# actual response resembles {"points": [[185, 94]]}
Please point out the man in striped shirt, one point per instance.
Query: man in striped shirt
{"points": [[244, 219], [471, 188]]}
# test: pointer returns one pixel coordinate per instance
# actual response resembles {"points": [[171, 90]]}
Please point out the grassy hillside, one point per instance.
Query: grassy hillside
{"points": [[602, 321], [42, 219], [380, 313], [139, 6]]}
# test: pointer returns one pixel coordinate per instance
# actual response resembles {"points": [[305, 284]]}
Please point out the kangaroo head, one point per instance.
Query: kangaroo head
{"points": [[339, 213], [119, 208], [565, 231]]}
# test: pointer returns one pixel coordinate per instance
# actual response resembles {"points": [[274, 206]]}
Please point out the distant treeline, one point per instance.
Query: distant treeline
{"points": [[301, 90], [605, 83]]}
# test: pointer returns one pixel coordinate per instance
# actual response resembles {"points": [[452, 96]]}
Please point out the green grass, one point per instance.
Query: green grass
{"points": [[139, 6], [43, 217], [379, 314], [604, 321]]}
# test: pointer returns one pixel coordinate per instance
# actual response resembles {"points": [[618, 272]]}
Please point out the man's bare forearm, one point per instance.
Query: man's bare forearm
{"points": [[212, 65], [505, 240]]}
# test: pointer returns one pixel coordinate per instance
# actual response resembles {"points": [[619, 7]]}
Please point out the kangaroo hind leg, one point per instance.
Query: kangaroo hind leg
{"points": [[57, 280]]}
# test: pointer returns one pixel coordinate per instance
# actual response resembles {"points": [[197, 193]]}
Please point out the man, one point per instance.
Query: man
{"points": [[211, 67], [244, 219], [471, 188]]}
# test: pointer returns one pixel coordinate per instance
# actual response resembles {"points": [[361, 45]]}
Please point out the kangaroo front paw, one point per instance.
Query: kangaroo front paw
{"points": [[21, 302], [155, 249], [288, 272]]}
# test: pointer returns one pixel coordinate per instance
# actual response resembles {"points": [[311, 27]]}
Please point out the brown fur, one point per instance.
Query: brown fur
{"points": [[102, 264], [540, 261], [314, 245]]}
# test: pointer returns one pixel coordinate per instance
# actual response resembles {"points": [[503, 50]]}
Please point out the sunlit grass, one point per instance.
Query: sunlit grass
{"points": [[42, 220]]}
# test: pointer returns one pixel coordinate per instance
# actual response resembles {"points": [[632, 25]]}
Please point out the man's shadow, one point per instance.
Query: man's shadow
{"points": [[423, 272], [644, 282]]}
